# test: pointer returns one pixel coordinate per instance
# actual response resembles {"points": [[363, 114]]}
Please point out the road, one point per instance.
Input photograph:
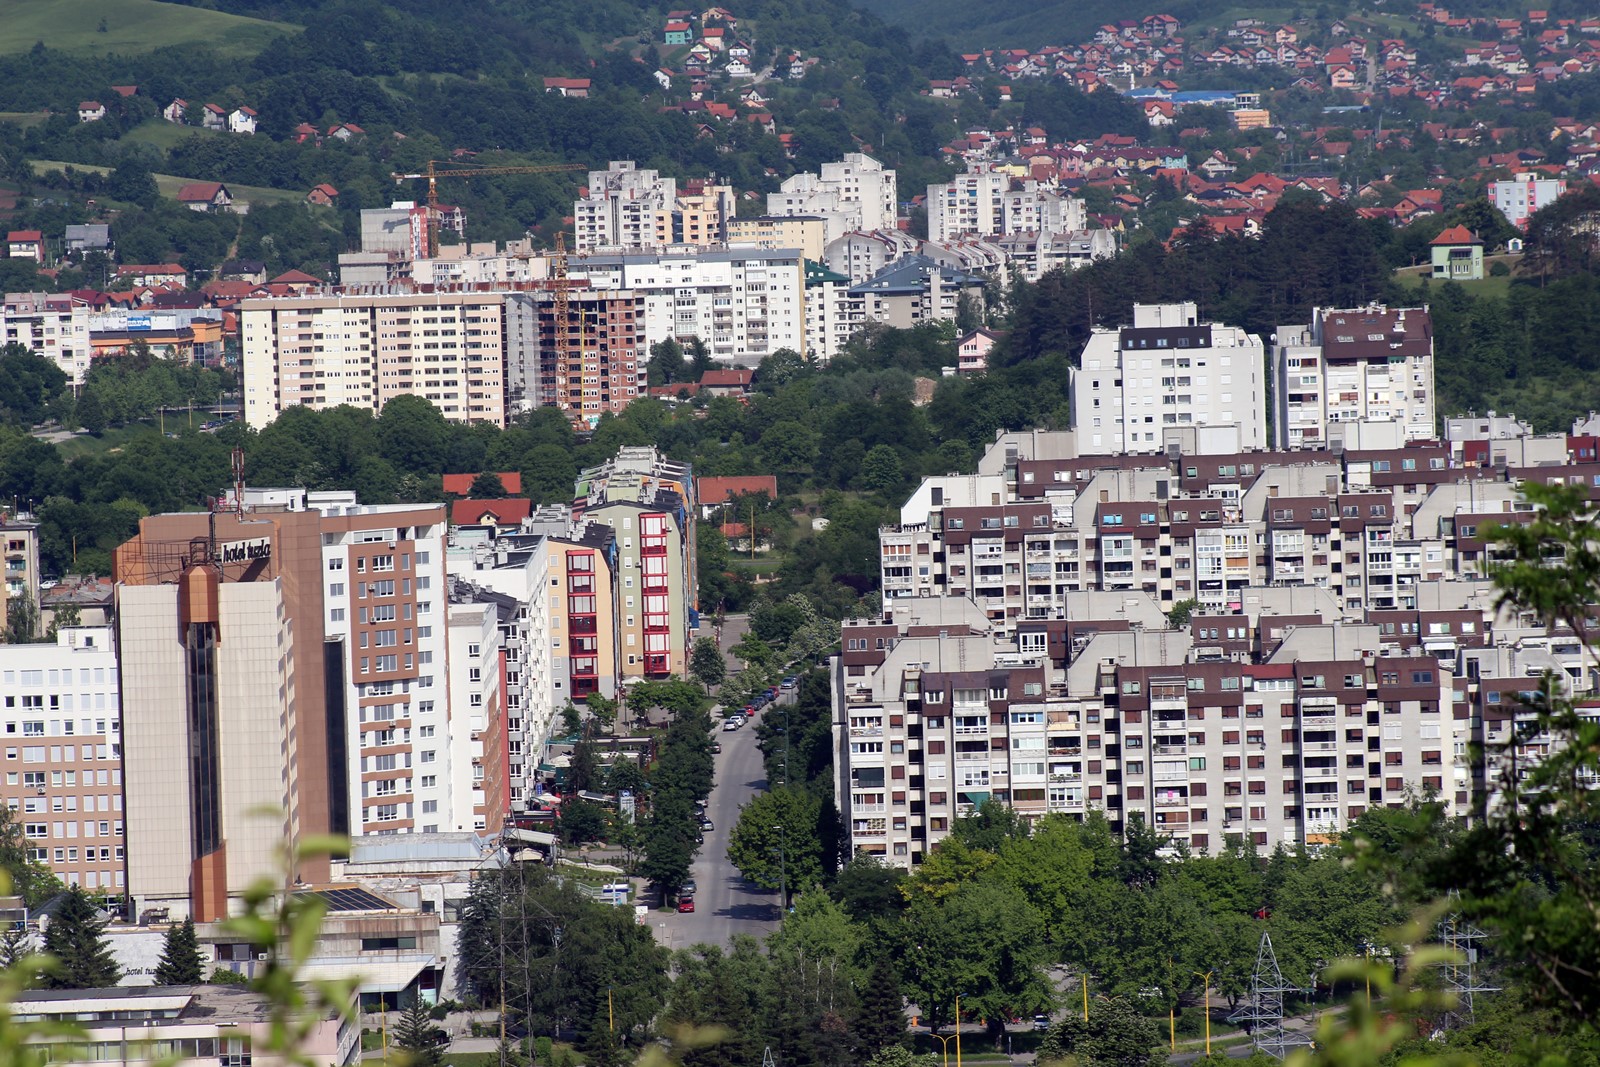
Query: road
{"points": [[725, 904]]}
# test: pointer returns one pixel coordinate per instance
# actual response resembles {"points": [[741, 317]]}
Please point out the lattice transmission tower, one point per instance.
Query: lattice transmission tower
{"points": [[1262, 1011]]}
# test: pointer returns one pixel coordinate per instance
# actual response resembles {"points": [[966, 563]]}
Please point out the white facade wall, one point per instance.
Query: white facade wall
{"points": [[55, 326], [474, 695], [63, 778], [1167, 370]]}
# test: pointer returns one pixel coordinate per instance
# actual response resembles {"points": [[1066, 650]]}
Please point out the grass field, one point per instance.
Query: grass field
{"points": [[131, 26], [164, 135], [169, 184], [88, 445], [24, 118], [1412, 278]]}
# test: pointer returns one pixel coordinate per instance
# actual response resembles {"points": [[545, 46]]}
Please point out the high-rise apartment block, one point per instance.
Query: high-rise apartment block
{"points": [[648, 502], [366, 348], [1369, 365], [19, 587], [1136, 386], [988, 201], [55, 325], [296, 647], [743, 303], [1343, 647], [857, 193], [625, 208], [63, 772]]}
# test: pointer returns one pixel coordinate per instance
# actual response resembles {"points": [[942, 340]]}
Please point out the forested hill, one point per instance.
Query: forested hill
{"points": [[1025, 23]]}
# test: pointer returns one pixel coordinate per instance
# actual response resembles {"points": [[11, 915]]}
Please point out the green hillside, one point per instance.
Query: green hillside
{"points": [[1024, 24], [130, 27]]}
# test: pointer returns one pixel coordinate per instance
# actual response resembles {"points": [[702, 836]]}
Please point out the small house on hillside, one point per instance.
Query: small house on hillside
{"points": [[91, 111], [1457, 255], [206, 196]]}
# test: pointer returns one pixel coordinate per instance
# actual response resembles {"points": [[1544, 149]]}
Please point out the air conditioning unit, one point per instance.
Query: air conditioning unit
{"points": [[261, 957]]}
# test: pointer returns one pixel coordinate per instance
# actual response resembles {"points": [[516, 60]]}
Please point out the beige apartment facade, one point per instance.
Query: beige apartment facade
{"points": [[364, 348]]}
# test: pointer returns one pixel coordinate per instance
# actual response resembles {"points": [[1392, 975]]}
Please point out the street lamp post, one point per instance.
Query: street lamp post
{"points": [[1207, 979], [958, 1030], [783, 872]]}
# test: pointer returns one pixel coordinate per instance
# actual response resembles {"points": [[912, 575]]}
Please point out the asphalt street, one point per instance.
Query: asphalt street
{"points": [[725, 904]]}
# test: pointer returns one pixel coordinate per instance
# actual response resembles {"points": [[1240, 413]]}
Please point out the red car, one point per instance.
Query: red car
{"points": [[685, 904], [749, 711]]}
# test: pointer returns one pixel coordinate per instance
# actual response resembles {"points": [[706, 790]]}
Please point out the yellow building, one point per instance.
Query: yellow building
{"points": [[805, 232]]}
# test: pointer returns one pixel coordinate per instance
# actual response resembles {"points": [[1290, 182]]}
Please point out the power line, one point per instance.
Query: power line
{"points": [[1262, 1011]]}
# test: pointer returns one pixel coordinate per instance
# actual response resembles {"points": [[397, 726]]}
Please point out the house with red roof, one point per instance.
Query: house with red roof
{"points": [[730, 382], [205, 196], [91, 111], [25, 244], [1457, 255], [175, 111], [577, 88], [715, 492], [496, 515], [322, 195]]}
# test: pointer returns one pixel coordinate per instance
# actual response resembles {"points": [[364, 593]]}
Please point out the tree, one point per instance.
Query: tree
{"points": [[777, 843], [881, 1019], [1549, 567], [1180, 613], [181, 962], [422, 1040], [76, 940], [487, 486], [980, 943], [881, 470], [31, 880], [547, 475], [91, 415], [666, 364], [706, 663], [581, 821], [1116, 1035]]}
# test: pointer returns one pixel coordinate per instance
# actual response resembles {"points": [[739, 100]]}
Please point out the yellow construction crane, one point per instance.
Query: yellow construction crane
{"points": [[434, 173]]}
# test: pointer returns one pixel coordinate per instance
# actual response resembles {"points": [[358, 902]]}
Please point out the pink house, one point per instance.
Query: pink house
{"points": [[972, 351]]}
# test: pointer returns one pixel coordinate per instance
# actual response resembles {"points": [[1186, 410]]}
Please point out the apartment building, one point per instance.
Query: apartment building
{"points": [[587, 364], [988, 201], [832, 314], [857, 193], [1166, 372], [1368, 366], [935, 713], [477, 749], [385, 598], [55, 325], [63, 773], [297, 642], [915, 290], [767, 232], [744, 303], [19, 547], [625, 207], [364, 348], [1519, 197], [648, 503]]}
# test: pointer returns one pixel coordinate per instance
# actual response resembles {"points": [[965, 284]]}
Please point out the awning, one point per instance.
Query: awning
{"points": [[387, 976]]}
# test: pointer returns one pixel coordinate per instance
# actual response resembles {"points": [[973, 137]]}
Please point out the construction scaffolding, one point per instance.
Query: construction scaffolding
{"points": [[1262, 1012], [1460, 971]]}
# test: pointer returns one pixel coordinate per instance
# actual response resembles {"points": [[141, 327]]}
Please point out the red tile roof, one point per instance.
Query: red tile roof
{"points": [[727, 379], [713, 491], [1456, 235], [508, 512], [461, 484]]}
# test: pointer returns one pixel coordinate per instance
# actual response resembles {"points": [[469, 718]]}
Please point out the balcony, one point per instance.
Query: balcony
{"points": [[972, 757], [866, 731], [1064, 778], [869, 809], [1172, 802], [1170, 750], [1320, 719]]}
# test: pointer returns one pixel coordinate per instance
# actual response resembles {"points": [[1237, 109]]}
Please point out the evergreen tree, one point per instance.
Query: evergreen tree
{"points": [[881, 1020], [77, 941], [602, 1046], [419, 1037], [181, 962]]}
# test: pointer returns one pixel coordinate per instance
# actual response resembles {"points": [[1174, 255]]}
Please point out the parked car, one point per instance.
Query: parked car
{"points": [[790, 682], [749, 711], [716, 748], [731, 724], [685, 905], [687, 889], [1041, 1022], [705, 825], [772, 692]]}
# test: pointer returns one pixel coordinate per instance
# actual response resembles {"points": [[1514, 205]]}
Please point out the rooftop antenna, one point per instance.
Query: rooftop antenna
{"points": [[1262, 1011], [238, 482]]}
